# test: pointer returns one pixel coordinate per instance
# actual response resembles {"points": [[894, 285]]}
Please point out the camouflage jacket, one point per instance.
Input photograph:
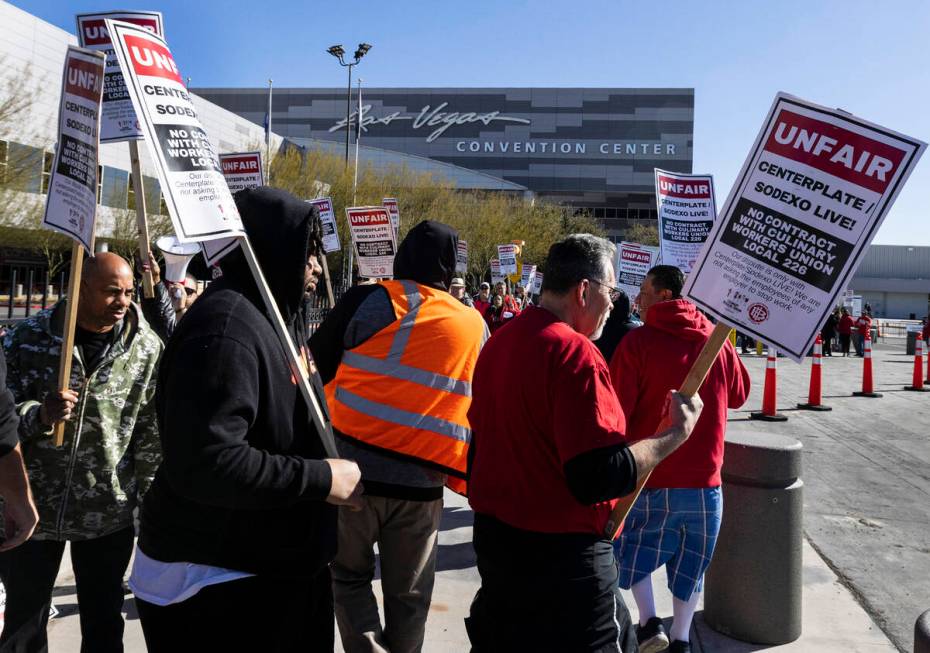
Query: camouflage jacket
{"points": [[90, 486]]}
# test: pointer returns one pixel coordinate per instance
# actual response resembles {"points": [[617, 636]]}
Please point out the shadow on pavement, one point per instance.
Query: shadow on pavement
{"points": [[451, 557], [453, 518]]}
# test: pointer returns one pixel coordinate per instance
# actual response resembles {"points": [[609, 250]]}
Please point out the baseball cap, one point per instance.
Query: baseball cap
{"points": [[484, 284], [458, 281]]}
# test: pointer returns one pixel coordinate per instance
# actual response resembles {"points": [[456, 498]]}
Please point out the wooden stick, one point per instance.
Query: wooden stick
{"points": [[689, 388], [148, 286], [67, 345], [329, 284], [294, 360]]}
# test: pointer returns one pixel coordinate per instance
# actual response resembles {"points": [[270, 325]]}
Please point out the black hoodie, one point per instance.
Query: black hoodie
{"points": [[242, 482], [619, 323]]}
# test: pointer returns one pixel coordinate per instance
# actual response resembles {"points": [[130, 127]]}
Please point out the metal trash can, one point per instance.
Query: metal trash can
{"points": [[911, 343], [922, 633], [752, 589]]}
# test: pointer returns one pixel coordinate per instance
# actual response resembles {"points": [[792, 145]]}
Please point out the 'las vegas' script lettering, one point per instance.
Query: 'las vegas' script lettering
{"points": [[429, 117]]}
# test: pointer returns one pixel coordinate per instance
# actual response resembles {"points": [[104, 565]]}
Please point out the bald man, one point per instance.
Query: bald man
{"points": [[87, 489]]}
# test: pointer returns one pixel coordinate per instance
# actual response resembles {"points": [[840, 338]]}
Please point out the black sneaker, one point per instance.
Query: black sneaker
{"points": [[652, 637], [679, 646]]}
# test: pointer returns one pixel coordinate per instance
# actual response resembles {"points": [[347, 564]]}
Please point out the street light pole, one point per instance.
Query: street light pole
{"points": [[338, 52], [349, 111]]}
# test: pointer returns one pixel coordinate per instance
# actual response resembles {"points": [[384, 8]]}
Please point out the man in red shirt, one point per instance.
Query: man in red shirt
{"points": [[483, 298], [549, 461], [676, 519], [863, 328]]}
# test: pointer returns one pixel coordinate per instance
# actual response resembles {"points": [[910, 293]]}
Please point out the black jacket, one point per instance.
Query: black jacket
{"points": [[243, 482], [159, 312], [619, 323]]}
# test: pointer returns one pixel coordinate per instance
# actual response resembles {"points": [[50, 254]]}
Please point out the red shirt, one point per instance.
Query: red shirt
{"points": [[864, 325], [845, 326], [482, 306], [656, 358], [541, 395]]}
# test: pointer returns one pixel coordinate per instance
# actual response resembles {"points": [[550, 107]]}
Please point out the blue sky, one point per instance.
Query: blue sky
{"points": [[869, 58]]}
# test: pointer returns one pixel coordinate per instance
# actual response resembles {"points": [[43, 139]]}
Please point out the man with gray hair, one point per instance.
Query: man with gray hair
{"points": [[549, 462]]}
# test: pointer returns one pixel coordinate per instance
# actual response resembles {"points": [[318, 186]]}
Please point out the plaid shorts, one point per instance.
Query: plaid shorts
{"points": [[674, 527]]}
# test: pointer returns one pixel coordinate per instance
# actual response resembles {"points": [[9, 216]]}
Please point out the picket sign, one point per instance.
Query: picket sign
{"points": [[71, 203], [295, 361], [118, 120], [692, 384], [330, 237]]}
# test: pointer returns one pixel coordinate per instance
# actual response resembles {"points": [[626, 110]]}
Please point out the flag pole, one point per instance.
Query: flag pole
{"points": [[358, 138], [268, 136]]}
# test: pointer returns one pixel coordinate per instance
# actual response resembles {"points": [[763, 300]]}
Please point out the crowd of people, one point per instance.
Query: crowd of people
{"points": [[257, 491]]}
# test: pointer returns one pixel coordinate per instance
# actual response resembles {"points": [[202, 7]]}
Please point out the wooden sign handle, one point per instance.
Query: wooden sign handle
{"points": [[67, 337], [329, 283], [148, 285], [690, 387]]}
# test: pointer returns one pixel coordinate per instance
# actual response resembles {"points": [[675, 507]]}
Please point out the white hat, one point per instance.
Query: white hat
{"points": [[458, 281]]}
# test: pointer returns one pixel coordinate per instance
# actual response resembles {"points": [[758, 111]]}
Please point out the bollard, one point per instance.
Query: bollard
{"points": [[758, 347], [752, 589], [922, 633]]}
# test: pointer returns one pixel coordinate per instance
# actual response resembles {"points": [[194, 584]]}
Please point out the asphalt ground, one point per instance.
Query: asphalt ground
{"points": [[867, 519], [866, 475]]}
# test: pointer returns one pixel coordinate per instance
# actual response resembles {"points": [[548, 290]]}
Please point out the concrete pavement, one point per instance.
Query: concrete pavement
{"points": [[867, 513]]}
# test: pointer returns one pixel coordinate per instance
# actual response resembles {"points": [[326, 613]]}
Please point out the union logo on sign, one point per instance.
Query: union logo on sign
{"points": [[758, 313]]}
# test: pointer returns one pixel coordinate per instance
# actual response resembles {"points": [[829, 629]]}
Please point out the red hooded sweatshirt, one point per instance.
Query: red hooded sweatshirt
{"points": [[656, 358]]}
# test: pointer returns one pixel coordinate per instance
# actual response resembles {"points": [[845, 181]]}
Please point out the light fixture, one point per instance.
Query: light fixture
{"points": [[363, 49]]}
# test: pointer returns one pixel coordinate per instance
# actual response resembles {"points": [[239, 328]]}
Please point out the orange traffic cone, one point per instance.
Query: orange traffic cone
{"points": [[917, 385], [867, 385], [768, 413], [928, 367], [815, 395]]}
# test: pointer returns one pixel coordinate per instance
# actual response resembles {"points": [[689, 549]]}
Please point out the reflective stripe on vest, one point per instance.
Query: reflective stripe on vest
{"points": [[402, 392]]}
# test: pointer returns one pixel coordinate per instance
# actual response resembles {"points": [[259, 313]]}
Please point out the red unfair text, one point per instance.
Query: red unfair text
{"points": [[240, 164], [369, 218], [152, 59], [95, 30], [85, 79], [633, 255], [684, 188], [842, 153]]}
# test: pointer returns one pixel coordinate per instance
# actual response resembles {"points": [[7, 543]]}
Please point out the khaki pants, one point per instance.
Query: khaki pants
{"points": [[406, 533]]}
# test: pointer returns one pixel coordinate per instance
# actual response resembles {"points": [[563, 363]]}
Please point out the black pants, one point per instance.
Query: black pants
{"points": [[28, 572], [844, 343], [545, 592], [251, 614]]}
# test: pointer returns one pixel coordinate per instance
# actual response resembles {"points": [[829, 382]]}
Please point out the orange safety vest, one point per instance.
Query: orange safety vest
{"points": [[407, 389]]}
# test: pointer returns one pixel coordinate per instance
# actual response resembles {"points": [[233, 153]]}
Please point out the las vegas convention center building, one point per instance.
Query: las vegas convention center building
{"points": [[591, 149]]}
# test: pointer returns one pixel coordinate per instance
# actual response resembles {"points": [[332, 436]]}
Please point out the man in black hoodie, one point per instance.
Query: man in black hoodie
{"points": [[398, 359], [240, 523]]}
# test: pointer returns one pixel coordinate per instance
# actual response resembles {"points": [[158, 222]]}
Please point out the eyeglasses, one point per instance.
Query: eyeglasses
{"points": [[612, 291]]}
